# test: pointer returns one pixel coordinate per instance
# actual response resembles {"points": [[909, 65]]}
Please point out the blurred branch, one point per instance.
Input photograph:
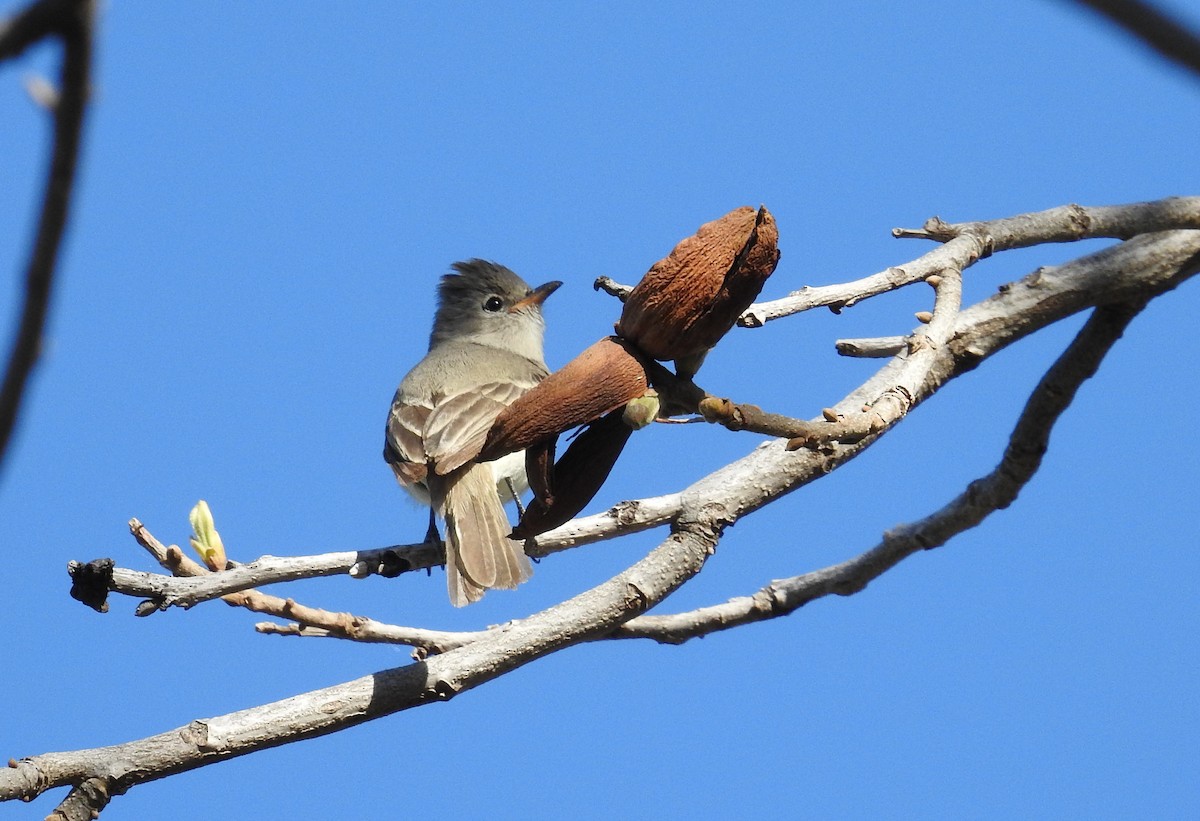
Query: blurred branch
{"points": [[71, 21], [34, 23], [995, 491], [1154, 27]]}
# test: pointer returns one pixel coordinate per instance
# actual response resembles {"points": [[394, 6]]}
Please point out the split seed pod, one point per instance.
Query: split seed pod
{"points": [[576, 477], [690, 299], [592, 389], [601, 379]]}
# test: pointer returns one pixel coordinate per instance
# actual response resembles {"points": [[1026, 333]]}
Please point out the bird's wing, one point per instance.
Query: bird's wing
{"points": [[458, 425], [403, 446]]}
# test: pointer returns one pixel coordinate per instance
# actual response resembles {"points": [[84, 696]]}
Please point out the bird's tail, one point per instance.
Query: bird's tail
{"points": [[479, 554]]}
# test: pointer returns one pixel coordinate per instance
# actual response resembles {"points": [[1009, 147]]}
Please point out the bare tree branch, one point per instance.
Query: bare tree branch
{"points": [[1067, 223], [205, 741], [995, 491], [950, 341], [1154, 27], [953, 342], [172, 591], [1044, 297], [192, 582], [876, 347], [426, 642], [84, 802], [71, 21], [968, 242]]}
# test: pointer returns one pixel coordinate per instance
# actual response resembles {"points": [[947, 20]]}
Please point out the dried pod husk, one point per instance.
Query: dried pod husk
{"points": [[602, 378], [539, 468], [577, 476], [91, 582], [687, 301]]}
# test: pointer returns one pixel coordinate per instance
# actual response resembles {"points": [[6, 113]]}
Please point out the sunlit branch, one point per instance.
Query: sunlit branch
{"points": [[995, 491]]}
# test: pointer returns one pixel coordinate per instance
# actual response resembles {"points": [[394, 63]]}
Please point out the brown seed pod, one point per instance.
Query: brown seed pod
{"points": [[539, 468], [687, 301], [577, 476], [602, 378]]}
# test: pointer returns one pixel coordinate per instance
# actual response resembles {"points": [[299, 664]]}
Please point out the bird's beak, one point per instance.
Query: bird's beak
{"points": [[536, 297]]}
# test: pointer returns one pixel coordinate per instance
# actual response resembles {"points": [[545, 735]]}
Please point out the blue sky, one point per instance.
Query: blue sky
{"points": [[268, 195]]}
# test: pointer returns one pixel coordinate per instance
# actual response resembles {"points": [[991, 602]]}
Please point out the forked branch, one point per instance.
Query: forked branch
{"points": [[995, 491], [953, 342]]}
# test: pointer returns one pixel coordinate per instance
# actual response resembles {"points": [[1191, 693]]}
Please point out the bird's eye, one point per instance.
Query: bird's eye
{"points": [[493, 304]]}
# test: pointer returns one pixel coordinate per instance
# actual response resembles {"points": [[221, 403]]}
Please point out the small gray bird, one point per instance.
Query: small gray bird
{"points": [[484, 352]]}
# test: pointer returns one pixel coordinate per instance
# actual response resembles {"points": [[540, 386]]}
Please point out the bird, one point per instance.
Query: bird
{"points": [[485, 350]]}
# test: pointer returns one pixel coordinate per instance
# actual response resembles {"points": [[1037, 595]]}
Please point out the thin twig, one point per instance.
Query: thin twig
{"points": [[1066, 223], [842, 427], [995, 491], [426, 642], [172, 591], [187, 570], [612, 287], [208, 740], [968, 242], [980, 331], [1136, 270], [191, 583], [875, 347], [883, 400]]}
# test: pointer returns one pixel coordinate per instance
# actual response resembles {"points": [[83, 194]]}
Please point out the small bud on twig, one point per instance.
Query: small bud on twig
{"points": [[642, 411], [206, 540]]}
